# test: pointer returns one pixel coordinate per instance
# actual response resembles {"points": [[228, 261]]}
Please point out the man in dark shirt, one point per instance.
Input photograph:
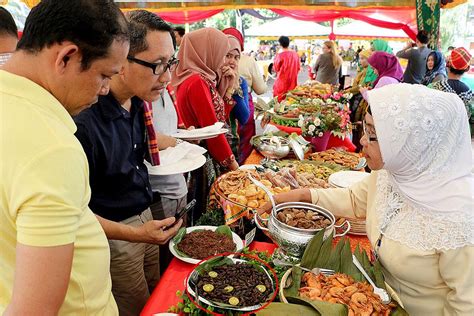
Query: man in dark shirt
{"points": [[417, 57], [112, 133]]}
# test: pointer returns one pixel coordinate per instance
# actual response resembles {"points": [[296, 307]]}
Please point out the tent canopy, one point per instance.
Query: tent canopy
{"points": [[289, 27], [363, 30]]}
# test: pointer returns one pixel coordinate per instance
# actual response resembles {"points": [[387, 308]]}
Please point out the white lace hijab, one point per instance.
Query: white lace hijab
{"points": [[424, 194]]}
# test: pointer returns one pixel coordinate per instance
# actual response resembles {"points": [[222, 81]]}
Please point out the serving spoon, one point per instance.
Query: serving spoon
{"points": [[385, 298]]}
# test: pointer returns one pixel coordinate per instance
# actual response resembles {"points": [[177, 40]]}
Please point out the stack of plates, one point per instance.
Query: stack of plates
{"points": [[357, 226], [344, 179]]}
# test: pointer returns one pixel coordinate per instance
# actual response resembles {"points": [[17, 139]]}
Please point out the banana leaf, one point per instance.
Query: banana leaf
{"points": [[311, 253], [224, 230], [323, 308], [211, 263], [282, 309], [339, 259]]}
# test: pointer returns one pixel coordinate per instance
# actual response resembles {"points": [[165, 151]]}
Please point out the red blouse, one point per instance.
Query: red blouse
{"points": [[196, 109]]}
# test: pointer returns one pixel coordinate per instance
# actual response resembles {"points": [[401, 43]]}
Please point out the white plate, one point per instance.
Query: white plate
{"points": [[196, 135], [239, 244], [344, 179], [250, 167], [182, 166]]}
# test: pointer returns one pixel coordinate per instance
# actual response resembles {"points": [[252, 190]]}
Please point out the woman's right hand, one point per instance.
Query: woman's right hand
{"points": [[298, 195]]}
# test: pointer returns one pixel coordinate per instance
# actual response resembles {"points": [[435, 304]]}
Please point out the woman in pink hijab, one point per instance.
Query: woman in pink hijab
{"points": [[387, 68], [202, 55]]}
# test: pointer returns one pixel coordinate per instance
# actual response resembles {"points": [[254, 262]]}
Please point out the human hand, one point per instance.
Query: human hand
{"points": [[234, 165], [159, 232], [231, 74], [363, 90]]}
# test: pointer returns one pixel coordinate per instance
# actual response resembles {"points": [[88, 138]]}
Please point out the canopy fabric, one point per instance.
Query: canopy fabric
{"points": [[289, 27], [163, 5], [181, 17], [363, 30], [384, 18]]}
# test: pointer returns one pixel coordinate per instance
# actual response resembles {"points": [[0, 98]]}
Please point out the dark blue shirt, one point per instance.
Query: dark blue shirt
{"points": [[114, 142]]}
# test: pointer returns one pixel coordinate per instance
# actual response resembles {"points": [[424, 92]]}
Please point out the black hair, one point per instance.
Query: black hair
{"points": [[7, 23], [423, 37], [284, 41], [457, 71], [369, 110], [451, 47], [139, 23], [181, 31], [92, 25]]}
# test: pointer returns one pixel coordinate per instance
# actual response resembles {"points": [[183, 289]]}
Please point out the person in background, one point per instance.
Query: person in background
{"points": [[388, 71], [179, 32], [360, 78], [170, 191], [435, 68], [303, 59], [448, 54], [380, 45], [54, 255], [361, 81], [417, 57], [234, 92], [387, 68], [377, 45], [202, 55], [8, 35], [287, 66], [328, 64], [417, 202], [250, 71], [115, 134], [458, 64]]}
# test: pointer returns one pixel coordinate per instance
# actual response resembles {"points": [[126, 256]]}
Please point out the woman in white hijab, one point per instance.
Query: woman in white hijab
{"points": [[418, 201]]}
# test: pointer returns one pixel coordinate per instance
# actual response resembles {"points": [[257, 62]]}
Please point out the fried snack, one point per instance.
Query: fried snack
{"points": [[236, 186], [342, 289], [340, 157]]}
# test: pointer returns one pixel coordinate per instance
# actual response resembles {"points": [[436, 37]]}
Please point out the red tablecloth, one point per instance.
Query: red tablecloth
{"points": [[164, 295]]}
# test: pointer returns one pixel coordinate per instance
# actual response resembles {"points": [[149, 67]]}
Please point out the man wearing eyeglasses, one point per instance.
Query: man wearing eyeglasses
{"points": [[113, 135]]}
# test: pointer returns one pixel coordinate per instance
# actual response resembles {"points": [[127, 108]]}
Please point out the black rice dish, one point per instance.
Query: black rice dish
{"points": [[240, 285]]}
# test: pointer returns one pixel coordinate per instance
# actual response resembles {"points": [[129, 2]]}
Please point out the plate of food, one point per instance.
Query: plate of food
{"points": [[340, 157], [193, 244], [232, 284]]}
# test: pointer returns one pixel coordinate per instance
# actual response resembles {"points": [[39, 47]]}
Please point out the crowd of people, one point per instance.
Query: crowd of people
{"points": [[89, 94]]}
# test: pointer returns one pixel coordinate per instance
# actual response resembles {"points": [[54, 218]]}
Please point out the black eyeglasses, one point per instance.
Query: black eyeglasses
{"points": [[370, 137], [158, 68]]}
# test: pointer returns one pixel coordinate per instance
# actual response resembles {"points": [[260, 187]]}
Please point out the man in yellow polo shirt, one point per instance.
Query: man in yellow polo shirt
{"points": [[54, 256]]}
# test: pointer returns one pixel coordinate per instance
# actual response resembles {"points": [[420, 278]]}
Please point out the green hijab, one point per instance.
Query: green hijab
{"points": [[377, 45], [380, 45]]}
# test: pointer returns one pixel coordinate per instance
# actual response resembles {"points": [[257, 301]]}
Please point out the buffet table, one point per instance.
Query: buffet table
{"points": [[164, 295]]}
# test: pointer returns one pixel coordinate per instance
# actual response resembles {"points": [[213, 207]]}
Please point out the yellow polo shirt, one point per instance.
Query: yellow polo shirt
{"points": [[44, 195]]}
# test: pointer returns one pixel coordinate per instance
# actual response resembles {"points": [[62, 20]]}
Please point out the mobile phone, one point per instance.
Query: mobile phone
{"points": [[185, 210]]}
